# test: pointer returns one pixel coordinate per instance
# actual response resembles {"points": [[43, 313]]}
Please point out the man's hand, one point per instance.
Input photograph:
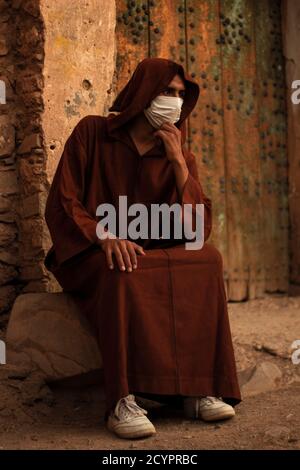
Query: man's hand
{"points": [[171, 137], [124, 250]]}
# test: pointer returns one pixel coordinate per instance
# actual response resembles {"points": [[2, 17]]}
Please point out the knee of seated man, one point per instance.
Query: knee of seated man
{"points": [[214, 255]]}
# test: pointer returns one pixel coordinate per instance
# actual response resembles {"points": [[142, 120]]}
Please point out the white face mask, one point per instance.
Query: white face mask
{"points": [[164, 109]]}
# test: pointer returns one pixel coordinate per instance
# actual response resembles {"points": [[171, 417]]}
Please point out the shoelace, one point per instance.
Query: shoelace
{"points": [[126, 407], [208, 400]]}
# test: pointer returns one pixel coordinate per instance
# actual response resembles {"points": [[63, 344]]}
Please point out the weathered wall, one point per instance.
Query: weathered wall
{"points": [[8, 180], [29, 54], [57, 60], [291, 29], [78, 70], [21, 53], [78, 66]]}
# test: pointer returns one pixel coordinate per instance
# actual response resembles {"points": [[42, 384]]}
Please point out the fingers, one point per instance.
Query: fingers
{"points": [[132, 255], [168, 135], [165, 135], [119, 256], [169, 127], [139, 249], [109, 259], [125, 253], [128, 250], [126, 256]]}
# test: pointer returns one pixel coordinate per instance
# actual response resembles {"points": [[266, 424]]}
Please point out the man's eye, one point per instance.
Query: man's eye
{"points": [[167, 92]]}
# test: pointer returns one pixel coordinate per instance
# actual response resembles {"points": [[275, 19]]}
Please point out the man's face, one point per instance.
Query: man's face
{"points": [[175, 88]]}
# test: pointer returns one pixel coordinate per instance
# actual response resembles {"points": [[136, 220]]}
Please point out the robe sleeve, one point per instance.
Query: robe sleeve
{"points": [[193, 194], [71, 227]]}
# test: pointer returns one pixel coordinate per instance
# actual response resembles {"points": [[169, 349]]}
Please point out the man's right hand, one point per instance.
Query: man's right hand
{"points": [[124, 251]]}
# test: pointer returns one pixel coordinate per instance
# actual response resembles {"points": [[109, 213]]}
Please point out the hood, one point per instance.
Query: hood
{"points": [[151, 77]]}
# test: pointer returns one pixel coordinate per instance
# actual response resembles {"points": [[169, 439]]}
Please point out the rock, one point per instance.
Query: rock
{"points": [[31, 7], [7, 297], [32, 271], [39, 285], [5, 204], [9, 182], [243, 355], [266, 377], [46, 331], [8, 234], [7, 217], [290, 417], [7, 273], [7, 135], [3, 47], [33, 205], [245, 375], [18, 373], [9, 257], [30, 141]]}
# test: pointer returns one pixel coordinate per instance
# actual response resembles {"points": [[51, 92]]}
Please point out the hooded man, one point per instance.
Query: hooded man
{"points": [[159, 311]]}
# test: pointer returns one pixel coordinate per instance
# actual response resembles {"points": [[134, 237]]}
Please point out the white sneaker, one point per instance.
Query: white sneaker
{"points": [[207, 408], [128, 419]]}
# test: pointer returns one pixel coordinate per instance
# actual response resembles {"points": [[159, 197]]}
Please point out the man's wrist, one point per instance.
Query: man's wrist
{"points": [[179, 163]]}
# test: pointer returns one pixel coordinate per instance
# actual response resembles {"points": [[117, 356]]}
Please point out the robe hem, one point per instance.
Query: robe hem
{"points": [[202, 386]]}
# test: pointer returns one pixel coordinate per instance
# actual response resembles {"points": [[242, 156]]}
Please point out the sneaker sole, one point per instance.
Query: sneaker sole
{"points": [[133, 433], [190, 412], [218, 415]]}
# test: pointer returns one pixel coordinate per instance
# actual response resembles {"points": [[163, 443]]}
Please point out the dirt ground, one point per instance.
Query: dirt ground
{"points": [[35, 415]]}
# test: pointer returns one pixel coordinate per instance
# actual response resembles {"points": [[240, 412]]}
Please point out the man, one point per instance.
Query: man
{"points": [[159, 311]]}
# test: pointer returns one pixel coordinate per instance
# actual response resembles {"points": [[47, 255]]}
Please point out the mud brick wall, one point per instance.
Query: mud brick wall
{"points": [[21, 163], [8, 174]]}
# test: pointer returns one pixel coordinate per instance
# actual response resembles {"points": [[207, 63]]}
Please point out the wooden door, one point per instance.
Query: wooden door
{"points": [[238, 129]]}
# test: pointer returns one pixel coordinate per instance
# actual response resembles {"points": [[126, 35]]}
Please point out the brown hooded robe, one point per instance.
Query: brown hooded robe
{"points": [[163, 328]]}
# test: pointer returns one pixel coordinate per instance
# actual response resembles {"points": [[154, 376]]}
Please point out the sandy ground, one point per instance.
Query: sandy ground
{"points": [[35, 415]]}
